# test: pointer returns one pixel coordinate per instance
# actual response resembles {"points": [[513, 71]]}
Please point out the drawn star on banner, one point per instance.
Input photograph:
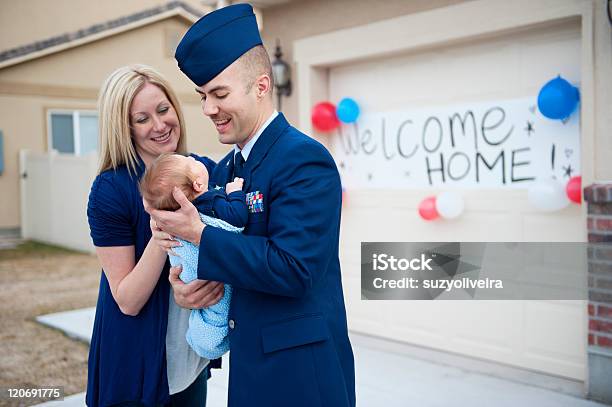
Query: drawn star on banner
{"points": [[529, 128]]}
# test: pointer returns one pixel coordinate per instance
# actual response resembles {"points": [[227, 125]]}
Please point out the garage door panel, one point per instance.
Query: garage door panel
{"points": [[486, 323], [559, 46], [569, 227], [410, 325], [406, 225], [554, 341]]}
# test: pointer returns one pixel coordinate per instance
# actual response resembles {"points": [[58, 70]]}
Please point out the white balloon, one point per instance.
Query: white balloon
{"points": [[449, 204], [548, 196]]}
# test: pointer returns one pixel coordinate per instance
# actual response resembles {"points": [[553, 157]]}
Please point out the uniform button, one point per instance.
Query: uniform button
{"points": [[231, 324]]}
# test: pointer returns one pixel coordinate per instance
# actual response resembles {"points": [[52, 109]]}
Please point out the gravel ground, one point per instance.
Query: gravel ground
{"points": [[37, 279]]}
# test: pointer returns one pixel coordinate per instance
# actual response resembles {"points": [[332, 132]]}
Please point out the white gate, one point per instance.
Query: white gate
{"points": [[54, 192]]}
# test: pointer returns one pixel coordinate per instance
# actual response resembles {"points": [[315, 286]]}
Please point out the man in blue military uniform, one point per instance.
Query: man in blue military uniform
{"points": [[289, 343]]}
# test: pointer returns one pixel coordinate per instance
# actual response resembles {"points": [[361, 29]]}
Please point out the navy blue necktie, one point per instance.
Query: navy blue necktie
{"points": [[238, 165]]}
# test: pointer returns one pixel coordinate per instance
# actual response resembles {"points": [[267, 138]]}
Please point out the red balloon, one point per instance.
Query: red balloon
{"points": [[427, 208], [324, 117], [574, 189]]}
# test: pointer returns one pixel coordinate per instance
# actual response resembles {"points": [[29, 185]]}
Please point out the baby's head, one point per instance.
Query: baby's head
{"points": [[169, 171]]}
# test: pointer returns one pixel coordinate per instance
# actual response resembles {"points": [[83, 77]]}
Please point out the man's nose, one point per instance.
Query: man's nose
{"points": [[209, 108]]}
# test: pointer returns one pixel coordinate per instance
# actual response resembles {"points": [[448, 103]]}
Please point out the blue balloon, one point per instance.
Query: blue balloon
{"points": [[558, 99], [347, 110]]}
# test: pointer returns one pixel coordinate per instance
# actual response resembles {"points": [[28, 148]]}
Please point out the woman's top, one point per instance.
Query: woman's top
{"points": [[127, 356]]}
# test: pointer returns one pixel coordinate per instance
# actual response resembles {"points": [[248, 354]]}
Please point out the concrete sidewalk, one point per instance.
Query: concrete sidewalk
{"points": [[396, 375]]}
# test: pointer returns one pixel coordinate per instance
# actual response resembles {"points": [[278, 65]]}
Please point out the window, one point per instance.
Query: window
{"points": [[73, 132]]}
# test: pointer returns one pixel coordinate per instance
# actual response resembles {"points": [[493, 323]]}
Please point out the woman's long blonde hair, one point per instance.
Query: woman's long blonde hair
{"points": [[114, 102]]}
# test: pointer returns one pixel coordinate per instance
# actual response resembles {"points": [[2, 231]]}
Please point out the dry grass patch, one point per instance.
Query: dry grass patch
{"points": [[38, 279]]}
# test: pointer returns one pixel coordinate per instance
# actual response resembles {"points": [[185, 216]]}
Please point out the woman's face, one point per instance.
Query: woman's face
{"points": [[154, 123]]}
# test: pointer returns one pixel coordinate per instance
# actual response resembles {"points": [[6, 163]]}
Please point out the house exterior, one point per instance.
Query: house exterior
{"points": [[395, 58], [49, 88]]}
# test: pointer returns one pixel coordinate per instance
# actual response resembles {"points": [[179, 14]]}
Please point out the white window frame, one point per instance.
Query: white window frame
{"points": [[76, 117]]}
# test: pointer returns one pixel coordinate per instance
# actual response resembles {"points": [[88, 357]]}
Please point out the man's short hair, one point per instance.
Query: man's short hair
{"points": [[256, 62]]}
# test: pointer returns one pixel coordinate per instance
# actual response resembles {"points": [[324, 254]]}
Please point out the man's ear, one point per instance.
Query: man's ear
{"points": [[263, 85]]}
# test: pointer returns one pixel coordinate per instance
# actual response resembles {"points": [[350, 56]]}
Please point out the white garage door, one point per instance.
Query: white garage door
{"points": [[547, 336]]}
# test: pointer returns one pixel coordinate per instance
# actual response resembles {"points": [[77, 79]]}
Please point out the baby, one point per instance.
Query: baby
{"points": [[208, 329]]}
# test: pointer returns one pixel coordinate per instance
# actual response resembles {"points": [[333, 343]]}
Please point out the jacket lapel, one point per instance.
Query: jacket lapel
{"points": [[223, 171], [262, 146]]}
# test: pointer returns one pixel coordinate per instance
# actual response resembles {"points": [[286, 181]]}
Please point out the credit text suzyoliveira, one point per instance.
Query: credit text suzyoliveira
{"points": [[384, 262]]}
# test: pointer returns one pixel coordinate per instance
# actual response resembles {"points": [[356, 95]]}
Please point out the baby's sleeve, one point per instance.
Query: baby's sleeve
{"points": [[109, 215], [205, 202], [232, 208]]}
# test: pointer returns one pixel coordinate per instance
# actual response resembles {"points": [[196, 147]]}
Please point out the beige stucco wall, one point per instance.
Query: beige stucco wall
{"points": [[70, 80], [23, 123], [44, 18]]}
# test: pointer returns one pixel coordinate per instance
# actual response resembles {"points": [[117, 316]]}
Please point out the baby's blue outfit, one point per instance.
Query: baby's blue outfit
{"points": [[208, 331]]}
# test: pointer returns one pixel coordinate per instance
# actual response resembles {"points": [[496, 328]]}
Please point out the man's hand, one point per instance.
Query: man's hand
{"points": [[197, 294], [235, 185], [184, 222]]}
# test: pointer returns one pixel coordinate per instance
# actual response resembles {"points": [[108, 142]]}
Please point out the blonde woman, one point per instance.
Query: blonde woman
{"points": [[138, 354]]}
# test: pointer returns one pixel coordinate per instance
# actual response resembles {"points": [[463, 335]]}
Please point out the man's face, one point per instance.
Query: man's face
{"points": [[233, 110]]}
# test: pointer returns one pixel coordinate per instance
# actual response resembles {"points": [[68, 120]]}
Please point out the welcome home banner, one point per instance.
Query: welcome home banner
{"points": [[501, 144]]}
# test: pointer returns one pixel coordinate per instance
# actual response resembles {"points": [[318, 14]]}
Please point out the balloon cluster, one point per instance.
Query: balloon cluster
{"points": [[448, 205], [550, 195], [326, 117], [558, 99]]}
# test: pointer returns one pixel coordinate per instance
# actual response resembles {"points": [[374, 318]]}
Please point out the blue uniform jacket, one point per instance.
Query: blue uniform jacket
{"points": [[289, 342]]}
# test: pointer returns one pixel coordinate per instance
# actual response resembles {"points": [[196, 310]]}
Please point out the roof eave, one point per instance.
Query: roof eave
{"points": [[180, 12]]}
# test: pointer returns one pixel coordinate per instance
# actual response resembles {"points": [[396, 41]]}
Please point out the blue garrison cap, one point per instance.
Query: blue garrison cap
{"points": [[215, 41]]}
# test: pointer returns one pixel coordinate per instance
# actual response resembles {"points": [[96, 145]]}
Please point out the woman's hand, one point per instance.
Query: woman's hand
{"points": [[184, 222], [164, 240], [196, 294]]}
